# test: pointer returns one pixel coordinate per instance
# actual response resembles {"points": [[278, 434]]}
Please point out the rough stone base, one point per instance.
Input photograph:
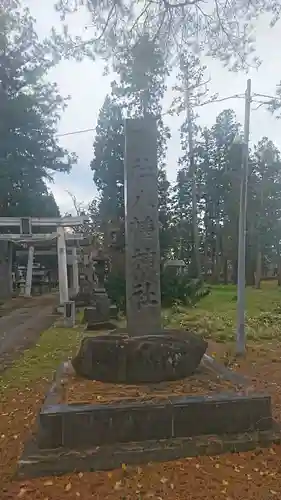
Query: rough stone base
{"points": [[161, 356], [35, 462]]}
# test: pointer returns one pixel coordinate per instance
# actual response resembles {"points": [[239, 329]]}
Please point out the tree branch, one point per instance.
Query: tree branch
{"points": [[177, 5]]}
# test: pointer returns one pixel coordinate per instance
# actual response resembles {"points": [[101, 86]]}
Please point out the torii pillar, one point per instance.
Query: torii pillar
{"points": [[62, 265]]}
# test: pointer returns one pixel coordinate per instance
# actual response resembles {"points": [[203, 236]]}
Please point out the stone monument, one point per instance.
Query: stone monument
{"points": [[96, 436], [144, 352]]}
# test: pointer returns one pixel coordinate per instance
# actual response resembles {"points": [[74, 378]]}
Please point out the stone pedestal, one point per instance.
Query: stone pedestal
{"points": [[99, 314], [69, 314], [118, 358]]}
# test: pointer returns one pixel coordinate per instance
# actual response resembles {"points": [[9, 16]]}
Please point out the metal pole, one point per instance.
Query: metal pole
{"points": [[241, 282]]}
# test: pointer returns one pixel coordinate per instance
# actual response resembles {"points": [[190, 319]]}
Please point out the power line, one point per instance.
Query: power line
{"points": [[76, 132], [211, 101]]}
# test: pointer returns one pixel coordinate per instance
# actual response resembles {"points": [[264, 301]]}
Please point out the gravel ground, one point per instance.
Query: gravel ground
{"points": [[21, 322]]}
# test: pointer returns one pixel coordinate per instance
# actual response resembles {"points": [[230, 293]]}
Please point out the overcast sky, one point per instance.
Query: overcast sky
{"points": [[87, 86]]}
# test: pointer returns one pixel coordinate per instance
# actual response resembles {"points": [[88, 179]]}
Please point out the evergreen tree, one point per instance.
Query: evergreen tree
{"points": [[138, 92], [30, 110]]}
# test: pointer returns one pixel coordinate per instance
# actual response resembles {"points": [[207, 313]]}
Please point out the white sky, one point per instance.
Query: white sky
{"points": [[87, 86]]}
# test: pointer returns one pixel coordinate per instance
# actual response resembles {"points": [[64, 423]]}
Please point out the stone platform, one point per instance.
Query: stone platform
{"points": [[103, 436]]}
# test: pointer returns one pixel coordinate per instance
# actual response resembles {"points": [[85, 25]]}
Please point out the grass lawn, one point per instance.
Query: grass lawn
{"points": [[247, 475]]}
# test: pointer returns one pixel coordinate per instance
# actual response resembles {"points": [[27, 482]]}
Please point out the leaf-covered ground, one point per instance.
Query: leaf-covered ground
{"points": [[234, 476]]}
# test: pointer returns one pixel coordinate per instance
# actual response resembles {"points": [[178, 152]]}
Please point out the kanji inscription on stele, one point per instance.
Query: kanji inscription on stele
{"points": [[143, 299]]}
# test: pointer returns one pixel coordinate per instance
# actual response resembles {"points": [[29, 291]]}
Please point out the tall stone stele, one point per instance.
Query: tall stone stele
{"points": [[143, 298]]}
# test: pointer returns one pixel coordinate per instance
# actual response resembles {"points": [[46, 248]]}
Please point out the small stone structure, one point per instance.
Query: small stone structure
{"points": [[98, 315]]}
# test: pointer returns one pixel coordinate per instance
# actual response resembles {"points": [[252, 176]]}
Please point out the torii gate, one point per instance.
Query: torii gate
{"points": [[26, 236]]}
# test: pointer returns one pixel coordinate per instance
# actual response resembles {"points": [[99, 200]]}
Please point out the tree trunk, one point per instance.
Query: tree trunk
{"points": [[234, 271], [278, 263], [225, 271], [258, 270], [196, 239]]}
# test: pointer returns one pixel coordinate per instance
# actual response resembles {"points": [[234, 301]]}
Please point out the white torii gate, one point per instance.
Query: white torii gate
{"points": [[25, 236]]}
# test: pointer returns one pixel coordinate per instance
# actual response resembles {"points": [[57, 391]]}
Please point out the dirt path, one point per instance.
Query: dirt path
{"points": [[21, 323]]}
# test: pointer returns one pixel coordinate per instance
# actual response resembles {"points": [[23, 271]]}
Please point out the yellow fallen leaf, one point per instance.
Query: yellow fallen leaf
{"points": [[118, 485], [273, 492], [22, 492], [124, 467], [68, 487], [163, 480], [272, 452], [172, 486], [217, 466], [225, 483], [49, 482]]}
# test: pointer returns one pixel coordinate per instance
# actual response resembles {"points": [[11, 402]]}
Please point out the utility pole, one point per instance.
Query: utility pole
{"points": [[241, 282]]}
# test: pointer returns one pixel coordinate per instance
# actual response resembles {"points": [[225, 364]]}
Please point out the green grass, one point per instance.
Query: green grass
{"points": [[214, 317], [55, 345]]}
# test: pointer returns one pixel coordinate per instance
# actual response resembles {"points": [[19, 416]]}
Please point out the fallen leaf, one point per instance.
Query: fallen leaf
{"points": [[273, 492], [109, 474], [49, 482], [68, 487], [217, 466], [80, 474], [22, 492], [124, 467], [118, 485], [78, 494], [225, 483], [197, 466], [139, 470], [163, 480]]}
